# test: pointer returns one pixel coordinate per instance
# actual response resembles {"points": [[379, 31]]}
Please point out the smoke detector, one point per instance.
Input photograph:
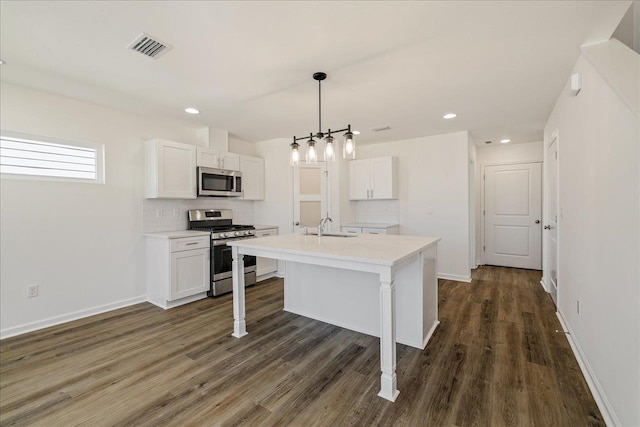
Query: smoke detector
{"points": [[380, 129], [149, 46]]}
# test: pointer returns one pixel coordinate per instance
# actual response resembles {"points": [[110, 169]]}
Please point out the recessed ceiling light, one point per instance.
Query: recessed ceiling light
{"points": [[505, 141], [192, 110], [450, 116], [356, 132]]}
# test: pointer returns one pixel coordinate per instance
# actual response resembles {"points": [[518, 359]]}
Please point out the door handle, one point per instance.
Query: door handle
{"points": [[297, 223], [547, 227], [537, 221]]}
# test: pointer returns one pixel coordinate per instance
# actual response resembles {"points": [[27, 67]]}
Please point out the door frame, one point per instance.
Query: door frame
{"points": [[545, 216], [482, 204]]}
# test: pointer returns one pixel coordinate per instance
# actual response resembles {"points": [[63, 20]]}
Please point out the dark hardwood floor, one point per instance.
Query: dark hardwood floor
{"points": [[496, 359]]}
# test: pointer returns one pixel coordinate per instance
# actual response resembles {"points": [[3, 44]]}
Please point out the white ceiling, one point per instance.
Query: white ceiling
{"points": [[247, 65]]}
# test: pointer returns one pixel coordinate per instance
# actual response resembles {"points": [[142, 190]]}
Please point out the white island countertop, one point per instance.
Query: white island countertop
{"points": [[371, 224], [383, 250]]}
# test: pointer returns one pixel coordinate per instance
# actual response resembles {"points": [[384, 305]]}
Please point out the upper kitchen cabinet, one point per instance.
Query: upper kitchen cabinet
{"points": [[252, 169], [170, 170], [217, 159], [373, 179]]}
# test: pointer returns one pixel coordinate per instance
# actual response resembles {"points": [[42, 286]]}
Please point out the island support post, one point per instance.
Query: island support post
{"points": [[239, 324], [388, 379]]}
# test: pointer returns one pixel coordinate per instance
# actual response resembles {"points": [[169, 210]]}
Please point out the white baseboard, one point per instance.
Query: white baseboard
{"points": [[64, 318], [543, 283], [599, 395], [430, 333], [165, 305], [454, 277]]}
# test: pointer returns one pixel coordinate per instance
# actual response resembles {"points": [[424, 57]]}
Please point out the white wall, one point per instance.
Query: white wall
{"points": [[496, 155], [599, 234], [80, 242], [433, 173]]}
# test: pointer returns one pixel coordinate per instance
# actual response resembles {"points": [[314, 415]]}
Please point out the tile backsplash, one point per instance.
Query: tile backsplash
{"points": [[169, 214], [377, 211]]}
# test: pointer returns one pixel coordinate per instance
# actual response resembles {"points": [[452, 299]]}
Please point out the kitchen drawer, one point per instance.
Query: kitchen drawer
{"points": [[374, 230], [267, 232], [354, 230], [190, 243]]}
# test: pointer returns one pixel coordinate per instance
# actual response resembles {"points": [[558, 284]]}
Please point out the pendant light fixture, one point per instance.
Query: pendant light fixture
{"points": [[311, 156]]}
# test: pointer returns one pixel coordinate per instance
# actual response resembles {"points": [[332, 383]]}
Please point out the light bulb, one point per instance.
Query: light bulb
{"points": [[329, 151], [312, 155], [349, 146], [295, 154]]}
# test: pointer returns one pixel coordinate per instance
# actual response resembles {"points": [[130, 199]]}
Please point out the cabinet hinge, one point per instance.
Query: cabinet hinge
{"points": [[484, 248]]}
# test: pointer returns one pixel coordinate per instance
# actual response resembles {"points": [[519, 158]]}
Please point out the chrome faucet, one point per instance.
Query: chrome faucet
{"points": [[323, 223]]}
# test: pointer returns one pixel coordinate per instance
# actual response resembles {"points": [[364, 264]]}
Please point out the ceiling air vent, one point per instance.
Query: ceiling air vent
{"points": [[149, 46], [380, 129]]}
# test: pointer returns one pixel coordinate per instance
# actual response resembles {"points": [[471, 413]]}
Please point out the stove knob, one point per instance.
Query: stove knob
{"points": [[223, 235], [237, 233]]}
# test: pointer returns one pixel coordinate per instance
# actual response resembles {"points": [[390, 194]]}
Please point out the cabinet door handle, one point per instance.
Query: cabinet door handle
{"points": [[372, 194], [192, 243]]}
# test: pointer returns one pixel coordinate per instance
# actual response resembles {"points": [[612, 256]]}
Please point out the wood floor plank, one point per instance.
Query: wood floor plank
{"points": [[495, 359]]}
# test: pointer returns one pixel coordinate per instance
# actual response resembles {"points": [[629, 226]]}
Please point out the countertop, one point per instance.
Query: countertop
{"points": [[370, 225], [368, 248], [177, 234], [265, 227]]}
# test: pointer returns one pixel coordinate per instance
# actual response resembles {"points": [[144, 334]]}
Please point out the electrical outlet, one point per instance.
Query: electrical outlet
{"points": [[32, 291], [578, 306], [158, 213]]}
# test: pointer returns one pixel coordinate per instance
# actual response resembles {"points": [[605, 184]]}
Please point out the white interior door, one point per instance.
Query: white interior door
{"points": [[513, 210], [310, 196], [551, 227]]}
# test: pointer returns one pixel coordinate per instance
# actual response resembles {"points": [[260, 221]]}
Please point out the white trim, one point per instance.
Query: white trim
{"points": [[598, 393], [64, 318], [165, 305], [430, 334], [543, 283], [455, 277]]}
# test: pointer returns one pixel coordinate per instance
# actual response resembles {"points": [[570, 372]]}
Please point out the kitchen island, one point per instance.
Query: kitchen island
{"points": [[382, 285]]}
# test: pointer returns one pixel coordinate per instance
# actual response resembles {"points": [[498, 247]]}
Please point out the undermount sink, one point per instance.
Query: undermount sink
{"points": [[334, 234]]}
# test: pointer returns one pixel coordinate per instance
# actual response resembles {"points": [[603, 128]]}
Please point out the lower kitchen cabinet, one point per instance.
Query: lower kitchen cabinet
{"points": [[266, 267], [177, 270]]}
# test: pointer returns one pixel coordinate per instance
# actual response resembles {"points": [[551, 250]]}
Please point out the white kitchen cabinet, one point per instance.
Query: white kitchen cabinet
{"points": [[170, 170], [373, 179], [209, 158], [252, 169], [177, 270], [266, 267], [370, 228]]}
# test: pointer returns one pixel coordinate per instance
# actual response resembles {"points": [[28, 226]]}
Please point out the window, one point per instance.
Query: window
{"points": [[52, 158]]}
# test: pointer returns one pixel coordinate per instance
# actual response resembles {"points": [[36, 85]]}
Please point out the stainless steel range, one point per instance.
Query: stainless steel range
{"points": [[220, 224]]}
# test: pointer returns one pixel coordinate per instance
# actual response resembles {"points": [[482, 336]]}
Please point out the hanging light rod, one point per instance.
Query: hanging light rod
{"points": [[329, 151]]}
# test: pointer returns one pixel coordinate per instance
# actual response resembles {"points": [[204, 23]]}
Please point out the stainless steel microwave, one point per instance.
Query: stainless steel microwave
{"points": [[219, 182]]}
